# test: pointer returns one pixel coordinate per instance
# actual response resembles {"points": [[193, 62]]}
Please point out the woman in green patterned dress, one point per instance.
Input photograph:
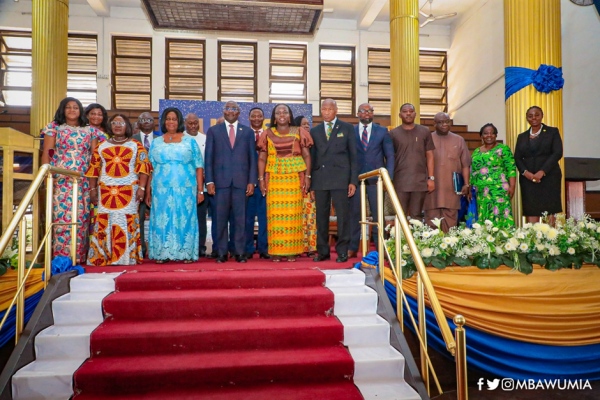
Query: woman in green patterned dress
{"points": [[493, 174]]}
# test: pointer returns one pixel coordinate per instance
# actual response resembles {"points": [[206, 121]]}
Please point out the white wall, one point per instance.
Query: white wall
{"points": [[476, 68]]}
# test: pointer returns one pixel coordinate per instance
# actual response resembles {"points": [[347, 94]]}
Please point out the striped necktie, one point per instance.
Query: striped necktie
{"points": [[365, 138], [329, 129]]}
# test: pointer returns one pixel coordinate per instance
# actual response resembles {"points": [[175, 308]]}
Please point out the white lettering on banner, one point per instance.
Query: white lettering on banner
{"points": [[509, 384]]}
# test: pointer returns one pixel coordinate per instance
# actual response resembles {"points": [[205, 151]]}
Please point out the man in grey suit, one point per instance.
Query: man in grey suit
{"points": [[334, 178], [146, 136]]}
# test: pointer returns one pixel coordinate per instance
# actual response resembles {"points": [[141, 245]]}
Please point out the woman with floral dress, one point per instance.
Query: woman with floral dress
{"points": [[493, 174], [121, 166], [176, 189], [69, 144]]}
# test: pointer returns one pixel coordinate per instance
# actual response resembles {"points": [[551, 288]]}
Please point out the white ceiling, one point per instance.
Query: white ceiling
{"points": [[363, 11]]}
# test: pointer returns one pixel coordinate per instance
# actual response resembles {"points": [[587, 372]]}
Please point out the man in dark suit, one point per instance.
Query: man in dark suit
{"points": [[334, 177], [230, 171], [374, 150], [145, 136]]}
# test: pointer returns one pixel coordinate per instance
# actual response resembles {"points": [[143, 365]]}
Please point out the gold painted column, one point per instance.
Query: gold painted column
{"points": [[50, 30], [532, 36], [404, 57]]}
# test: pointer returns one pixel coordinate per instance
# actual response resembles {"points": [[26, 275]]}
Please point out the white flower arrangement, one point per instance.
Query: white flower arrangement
{"points": [[569, 244]]}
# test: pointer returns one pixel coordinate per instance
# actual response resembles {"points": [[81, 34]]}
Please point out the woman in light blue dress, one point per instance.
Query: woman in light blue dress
{"points": [[175, 190]]}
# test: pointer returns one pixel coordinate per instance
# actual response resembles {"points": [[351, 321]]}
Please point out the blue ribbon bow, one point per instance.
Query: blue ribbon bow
{"points": [[545, 79]]}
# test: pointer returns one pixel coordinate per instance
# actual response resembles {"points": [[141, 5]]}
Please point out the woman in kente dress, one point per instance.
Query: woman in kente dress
{"points": [[493, 174], [118, 175], [309, 221], [69, 144], [282, 164], [175, 190]]}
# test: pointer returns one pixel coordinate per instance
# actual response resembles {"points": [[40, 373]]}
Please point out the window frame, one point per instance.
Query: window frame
{"points": [[173, 94], [303, 64], [352, 65], [254, 80], [114, 74]]}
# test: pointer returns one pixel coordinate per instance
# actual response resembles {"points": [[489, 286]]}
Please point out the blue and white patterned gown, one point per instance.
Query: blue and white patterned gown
{"points": [[174, 220]]}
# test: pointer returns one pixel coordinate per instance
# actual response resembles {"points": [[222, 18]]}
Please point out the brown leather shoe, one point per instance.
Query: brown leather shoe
{"points": [[351, 254]]}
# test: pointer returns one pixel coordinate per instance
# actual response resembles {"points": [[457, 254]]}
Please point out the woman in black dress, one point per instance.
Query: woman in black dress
{"points": [[537, 153]]}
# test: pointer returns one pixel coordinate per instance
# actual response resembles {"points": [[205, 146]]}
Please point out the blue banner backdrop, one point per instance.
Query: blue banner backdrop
{"points": [[210, 111]]}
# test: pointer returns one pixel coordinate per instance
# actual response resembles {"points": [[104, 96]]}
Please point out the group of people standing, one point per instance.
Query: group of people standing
{"points": [[286, 176]]}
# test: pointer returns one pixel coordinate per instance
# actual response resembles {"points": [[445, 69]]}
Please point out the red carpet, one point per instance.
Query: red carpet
{"points": [[185, 331]]}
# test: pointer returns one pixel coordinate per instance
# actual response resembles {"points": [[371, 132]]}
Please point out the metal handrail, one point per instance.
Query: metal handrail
{"points": [[455, 346], [44, 172]]}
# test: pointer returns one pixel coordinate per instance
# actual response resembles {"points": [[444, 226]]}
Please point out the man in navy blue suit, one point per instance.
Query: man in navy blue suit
{"points": [[257, 203], [374, 150], [230, 170]]}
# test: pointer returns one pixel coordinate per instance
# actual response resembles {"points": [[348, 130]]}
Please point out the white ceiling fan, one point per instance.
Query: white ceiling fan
{"points": [[430, 17]]}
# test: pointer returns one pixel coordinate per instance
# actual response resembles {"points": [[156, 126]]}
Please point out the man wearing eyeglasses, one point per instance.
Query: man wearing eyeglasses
{"points": [[450, 155], [374, 150], [231, 170], [145, 136]]}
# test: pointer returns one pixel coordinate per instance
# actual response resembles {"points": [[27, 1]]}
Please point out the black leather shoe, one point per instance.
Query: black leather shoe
{"points": [[213, 255], [248, 255], [221, 259], [320, 257], [201, 254], [241, 259], [342, 258], [264, 256]]}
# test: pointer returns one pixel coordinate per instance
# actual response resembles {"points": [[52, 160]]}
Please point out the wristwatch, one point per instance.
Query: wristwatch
{"points": [[431, 178]]}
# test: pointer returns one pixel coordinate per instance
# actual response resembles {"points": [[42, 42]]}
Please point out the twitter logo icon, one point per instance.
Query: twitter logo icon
{"points": [[492, 385]]}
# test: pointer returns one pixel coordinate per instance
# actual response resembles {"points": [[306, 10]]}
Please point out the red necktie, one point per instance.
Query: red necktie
{"points": [[365, 138], [257, 131], [231, 135]]}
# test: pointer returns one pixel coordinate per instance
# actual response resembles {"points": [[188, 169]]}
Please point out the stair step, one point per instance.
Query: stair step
{"points": [[365, 330], [354, 300], [45, 380], [377, 363], [396, 389], [112, 375], [92, 282], [120, 338], [79, 308], [64, 342], [344, 277], [214, 303], [245, 279], [344, 390]]}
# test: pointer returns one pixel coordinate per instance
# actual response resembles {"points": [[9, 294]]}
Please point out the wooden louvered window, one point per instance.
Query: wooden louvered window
{"points": [[236, 73], [287, 73], [433, 81], [16, 68], [337, 72], [131, 73], [185, 69], [83, 68]]}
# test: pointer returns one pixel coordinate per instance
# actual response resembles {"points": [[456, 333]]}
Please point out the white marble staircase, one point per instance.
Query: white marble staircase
{"points": [[379, 368], [61, 348]]}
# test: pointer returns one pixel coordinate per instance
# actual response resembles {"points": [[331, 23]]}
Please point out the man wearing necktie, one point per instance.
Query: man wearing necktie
{"points": [[374, 151], [257, 203], [145, 137], [230, 169], [334, 178]]}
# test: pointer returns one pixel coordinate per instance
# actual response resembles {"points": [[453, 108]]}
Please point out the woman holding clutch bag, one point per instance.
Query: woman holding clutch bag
{"points": [[493, 174]]}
